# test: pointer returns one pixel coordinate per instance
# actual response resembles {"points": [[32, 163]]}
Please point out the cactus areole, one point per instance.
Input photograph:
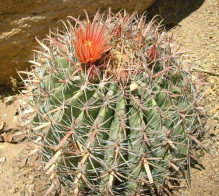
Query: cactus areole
{"points": [[114, 107]]}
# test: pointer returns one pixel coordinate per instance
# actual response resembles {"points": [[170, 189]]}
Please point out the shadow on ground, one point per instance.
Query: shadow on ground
{"points": [[6, 91], [173, 11]]}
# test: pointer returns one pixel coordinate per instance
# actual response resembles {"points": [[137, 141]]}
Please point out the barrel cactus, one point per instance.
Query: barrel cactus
{"points": [[114, 107]]}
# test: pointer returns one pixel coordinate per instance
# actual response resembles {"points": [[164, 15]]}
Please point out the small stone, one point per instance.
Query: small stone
{"points": [[2, 160], [216, 115]]}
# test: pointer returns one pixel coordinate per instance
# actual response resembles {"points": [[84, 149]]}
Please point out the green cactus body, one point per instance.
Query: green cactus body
{"points": [[124, 136]]}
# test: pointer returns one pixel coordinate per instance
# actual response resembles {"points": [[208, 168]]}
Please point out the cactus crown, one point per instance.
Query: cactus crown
{"points": [[114, 107]]}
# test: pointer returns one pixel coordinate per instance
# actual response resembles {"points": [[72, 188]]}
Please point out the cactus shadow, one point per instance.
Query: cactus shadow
{"points": [[6, 91], [173, 11]]}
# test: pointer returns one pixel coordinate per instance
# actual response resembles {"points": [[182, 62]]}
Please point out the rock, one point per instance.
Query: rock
{"points": [[21, 21], [2, 160], [9, 100]]}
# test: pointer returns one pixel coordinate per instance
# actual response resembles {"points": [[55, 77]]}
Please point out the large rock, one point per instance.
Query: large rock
{"points": [[23, 20]]}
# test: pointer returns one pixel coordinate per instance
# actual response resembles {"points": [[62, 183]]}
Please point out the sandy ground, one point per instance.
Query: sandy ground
{"points": [[198, 34]]}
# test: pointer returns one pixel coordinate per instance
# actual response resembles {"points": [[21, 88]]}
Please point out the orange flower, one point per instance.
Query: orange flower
{"points": [[90, 41]]}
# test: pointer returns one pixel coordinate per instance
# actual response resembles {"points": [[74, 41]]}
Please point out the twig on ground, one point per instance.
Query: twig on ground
{"points": [[205, 71]]}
